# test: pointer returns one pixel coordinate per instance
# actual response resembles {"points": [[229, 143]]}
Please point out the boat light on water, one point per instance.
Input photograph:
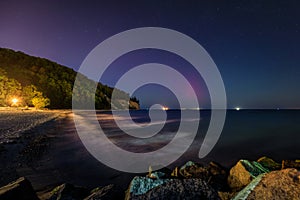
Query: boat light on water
{"points": [[165, 108]]}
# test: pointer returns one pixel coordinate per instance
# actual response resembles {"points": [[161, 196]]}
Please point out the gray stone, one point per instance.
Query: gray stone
{"points": [[191, 188], [68, 191], [141, 185], [193, 170], [102, 193], [19, 189]]}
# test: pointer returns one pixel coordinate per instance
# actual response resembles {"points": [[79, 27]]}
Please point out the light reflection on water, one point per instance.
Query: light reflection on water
{"points": [[247, 134]]}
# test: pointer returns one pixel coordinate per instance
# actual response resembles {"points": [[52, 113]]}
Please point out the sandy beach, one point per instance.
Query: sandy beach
{"points": [[43, 147], [14, 122], [23, 139]]}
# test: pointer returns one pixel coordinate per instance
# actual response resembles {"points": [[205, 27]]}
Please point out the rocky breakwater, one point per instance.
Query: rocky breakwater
{"points": [[261, 179], [264, 179], [191, 181]]}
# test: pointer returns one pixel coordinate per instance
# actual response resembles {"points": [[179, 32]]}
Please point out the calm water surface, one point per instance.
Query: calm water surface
{"points": [[247, 134]]}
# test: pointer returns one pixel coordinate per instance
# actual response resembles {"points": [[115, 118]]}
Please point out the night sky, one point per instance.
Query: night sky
{"points": [[255, 44]]}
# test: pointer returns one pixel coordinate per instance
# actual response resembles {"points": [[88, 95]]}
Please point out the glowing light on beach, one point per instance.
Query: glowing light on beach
{"points": [[237, 108], [14, 100]]}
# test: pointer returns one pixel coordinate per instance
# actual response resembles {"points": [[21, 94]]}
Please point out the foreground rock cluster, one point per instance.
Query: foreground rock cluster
{"points": [[261, 179]]}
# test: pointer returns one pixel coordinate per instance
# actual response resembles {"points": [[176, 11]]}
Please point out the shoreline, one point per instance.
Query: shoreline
{"points": [[51, 153], [23, 147], [16, 122]]}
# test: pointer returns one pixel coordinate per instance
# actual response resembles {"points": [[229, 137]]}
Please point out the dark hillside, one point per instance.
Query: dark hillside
{"points": [[53, 80]]}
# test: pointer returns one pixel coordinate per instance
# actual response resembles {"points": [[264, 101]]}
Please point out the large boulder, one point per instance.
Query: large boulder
{"points": [[68, 191], [213, 173], [193, 170], [243, 173], [141, 185], [291, 164], [217, 176], [19, 189], [192, 188], [283, 184], [269, 163], [226, 195], [103, 193], [191, 181], [187, 182]]}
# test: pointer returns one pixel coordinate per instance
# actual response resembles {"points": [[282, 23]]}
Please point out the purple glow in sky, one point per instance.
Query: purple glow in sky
{"points": [[255, 44]]}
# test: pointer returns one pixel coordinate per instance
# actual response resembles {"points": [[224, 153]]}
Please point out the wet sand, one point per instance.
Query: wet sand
{"points": [[51, 153], [14, 121], [22, 139]]}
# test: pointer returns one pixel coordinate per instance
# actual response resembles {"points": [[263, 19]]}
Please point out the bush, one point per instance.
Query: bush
{"points": [[40, 102]]}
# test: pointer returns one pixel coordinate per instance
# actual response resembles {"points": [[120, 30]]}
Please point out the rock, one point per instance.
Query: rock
{"points": [[19, 189], [141, 185], [269, 163], [238, 177], [243, 173], [68, 191], [291, 164], [102, 193], [193, 181], [243, 194], [215, 169], [217, 176], [282, 184], [193, 170], [156, 175], [175, 172], [226, 195], [214, 174], [192, 188]]}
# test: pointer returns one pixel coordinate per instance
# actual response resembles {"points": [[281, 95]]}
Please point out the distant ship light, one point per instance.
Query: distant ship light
{"points": [[165, 108]]}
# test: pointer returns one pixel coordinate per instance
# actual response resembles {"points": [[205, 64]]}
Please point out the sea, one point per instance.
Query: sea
{"points": [[247, 134]]}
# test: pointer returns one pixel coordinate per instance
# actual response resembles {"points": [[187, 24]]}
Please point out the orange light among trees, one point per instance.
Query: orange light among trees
{"points": [[14, 101]]}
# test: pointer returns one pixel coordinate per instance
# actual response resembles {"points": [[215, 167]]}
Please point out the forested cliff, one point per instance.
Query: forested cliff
{"points": [[28, 77]]}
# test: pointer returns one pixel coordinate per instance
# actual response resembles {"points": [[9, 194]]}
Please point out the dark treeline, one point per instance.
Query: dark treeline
{"points": [[54, 81]]}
